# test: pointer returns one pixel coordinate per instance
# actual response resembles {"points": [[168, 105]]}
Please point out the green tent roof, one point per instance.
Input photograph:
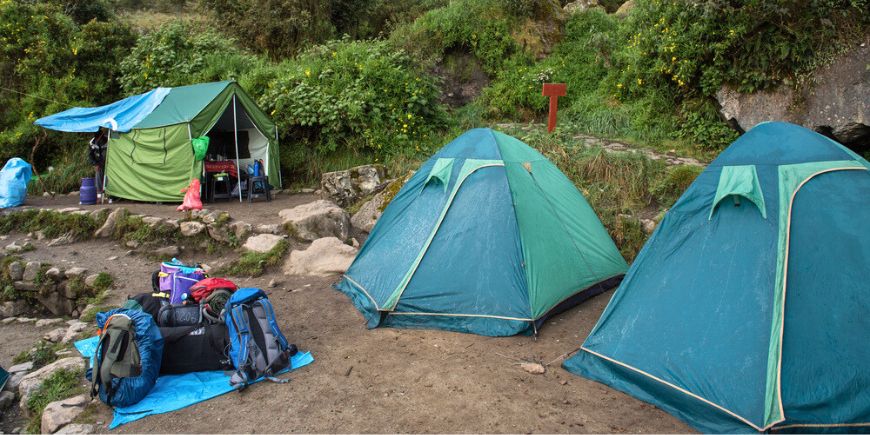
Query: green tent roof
{"points": [[183, 104]]}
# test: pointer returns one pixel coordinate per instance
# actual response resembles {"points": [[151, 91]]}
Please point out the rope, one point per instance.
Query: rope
{"points": [[31, 95]]}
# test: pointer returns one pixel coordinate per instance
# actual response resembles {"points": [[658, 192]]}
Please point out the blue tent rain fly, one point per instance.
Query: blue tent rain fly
{"points": [[747, 308]]}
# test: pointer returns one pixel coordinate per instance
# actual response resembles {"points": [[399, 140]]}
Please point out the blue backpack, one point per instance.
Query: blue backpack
{"points": [[257, 346]]}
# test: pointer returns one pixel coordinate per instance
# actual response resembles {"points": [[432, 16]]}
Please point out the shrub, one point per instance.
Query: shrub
{"points": [[182, 53], [361, 96], [669, 188], [255, 263], [59, 385]]}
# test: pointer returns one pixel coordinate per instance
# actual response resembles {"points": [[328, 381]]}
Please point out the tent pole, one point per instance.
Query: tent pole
{"points": [[236, 133]]}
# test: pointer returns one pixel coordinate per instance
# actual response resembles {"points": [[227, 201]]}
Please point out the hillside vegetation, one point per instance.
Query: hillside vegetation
{"points": [[356, 81]]}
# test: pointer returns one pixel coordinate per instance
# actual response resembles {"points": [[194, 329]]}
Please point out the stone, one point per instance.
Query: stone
{"points": [[316, 220], [8, 320], [12, 309], [215, 217], [167, 251], [152, 221], [31, 270], [191, 228], [73, 331], [41, 323], [39, 235], [533, 368], [13, 382], [86, 309], [324, 257], [369, 213], [56, 303], [241, 229], [65, 239], [306, 190], [171, 223], [14, 248], [108, 228], [834, 101], [648, 225], [60, 413], [23, 367], [580, 6], [77, 428], [6, 399], [267, 229], [75, 272], [55, 335], [28, 286], [54, 273], [273, 283], [69, 209], [73, 193], [91, 279], [221, 233], [32, 381], [16, 271], [625, 9], [345, 187], [132, 244], [262, 243], [112, 258], [26, 320]]}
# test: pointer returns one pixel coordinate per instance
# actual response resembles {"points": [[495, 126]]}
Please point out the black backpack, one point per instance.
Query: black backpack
{"points": [[195, 349]]}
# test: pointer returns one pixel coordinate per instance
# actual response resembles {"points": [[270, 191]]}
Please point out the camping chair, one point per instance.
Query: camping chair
{"points": [[258, 182], [221, 179]]}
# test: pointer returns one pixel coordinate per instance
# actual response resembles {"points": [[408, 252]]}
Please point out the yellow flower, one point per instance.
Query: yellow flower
{"points": [[681, 83], [640, 82], [673, 58], [410, 116], [619, 85], [405, 126]]}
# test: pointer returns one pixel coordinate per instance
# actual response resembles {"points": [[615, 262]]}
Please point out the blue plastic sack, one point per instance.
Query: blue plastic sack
{"points": [[13, 182], [128, 391]]}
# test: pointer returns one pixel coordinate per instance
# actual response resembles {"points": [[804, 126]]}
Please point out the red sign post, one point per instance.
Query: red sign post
{"points": [[554, 91]]}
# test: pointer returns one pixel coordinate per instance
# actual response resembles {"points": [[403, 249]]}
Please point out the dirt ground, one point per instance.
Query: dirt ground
{"points": [[381, 380]]}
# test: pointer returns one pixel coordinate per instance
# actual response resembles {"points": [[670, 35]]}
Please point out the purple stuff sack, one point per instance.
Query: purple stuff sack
{"points": [[176, 278]]}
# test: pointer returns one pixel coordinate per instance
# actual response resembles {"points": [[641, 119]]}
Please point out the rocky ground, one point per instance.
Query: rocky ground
{"points": [[382, 380]]}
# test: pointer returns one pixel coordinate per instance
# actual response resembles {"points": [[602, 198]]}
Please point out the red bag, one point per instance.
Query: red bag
{"points": [[204, 288], [191, 198]]}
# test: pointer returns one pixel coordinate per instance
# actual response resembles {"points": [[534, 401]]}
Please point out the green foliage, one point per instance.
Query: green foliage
{"points": [[361, 96], [668, 189], [52, 224], [49, 63], [254, 264], [69, 166], [42, 354], [481, 27], [182, 53], [59, 385], [103, 282]]}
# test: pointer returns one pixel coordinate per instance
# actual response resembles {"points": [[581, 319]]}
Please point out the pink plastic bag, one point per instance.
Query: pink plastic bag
{"points": [[191, 198]]}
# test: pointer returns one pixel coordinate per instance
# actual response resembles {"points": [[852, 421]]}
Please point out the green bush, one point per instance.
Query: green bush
{"points": [[361, 96], [182, 53], [669, 188], [59, 385]]}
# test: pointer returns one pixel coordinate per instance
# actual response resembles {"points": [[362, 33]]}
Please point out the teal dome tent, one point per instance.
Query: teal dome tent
{"points": [[747, 308], [487, 237]]}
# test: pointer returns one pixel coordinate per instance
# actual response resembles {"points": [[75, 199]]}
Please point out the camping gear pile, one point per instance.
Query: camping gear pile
{"points": [[190, 323]]}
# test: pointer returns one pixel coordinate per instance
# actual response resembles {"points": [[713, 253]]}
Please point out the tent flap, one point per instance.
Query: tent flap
{"points": [[739, 181], [123, 115]]}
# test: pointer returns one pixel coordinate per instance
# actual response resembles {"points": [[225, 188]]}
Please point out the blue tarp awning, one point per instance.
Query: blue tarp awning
{"points": [[120, 116]]}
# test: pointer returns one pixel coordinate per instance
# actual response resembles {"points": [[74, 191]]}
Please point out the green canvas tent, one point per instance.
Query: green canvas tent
{"points": [[150, 155], [746, 311], [487, 237]]}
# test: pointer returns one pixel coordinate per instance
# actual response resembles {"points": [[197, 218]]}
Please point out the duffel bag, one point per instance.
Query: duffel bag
{"points": [[179, 315], [194, 349], [147, 302]]}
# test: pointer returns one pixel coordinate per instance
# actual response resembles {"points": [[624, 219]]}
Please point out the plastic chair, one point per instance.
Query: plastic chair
{"points": [[224, 179], [260, 183]]}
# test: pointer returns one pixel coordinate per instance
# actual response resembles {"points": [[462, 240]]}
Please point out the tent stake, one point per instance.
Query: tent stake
{"points": [[236, 133]]}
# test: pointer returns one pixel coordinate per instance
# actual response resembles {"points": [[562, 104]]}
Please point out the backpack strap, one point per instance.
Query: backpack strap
{"points": [[243, 334]]}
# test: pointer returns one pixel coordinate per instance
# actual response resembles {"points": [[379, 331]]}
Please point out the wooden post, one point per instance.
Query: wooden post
{"points": [[554, 91]]}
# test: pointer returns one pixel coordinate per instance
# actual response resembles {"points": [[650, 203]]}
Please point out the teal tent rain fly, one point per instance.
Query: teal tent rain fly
{"points": [[747, 309]]}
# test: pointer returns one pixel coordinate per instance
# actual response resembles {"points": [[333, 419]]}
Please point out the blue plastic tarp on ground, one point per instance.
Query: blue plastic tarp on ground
{"points": [[13, 182], [122, 115], [174, 392]]}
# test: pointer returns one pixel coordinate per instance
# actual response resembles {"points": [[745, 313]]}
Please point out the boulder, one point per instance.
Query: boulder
{"points": [[325, 256], [32, 381], [191, 228], [171, 223], [625, 9], [345, 187], [13, 308], [76, 327], [27, 286], [77, 428], [75, 272], [91, 279], [316, 220], [241, 229], [580, 6], [14, 248], [219, 232], [262, 242], [152, 221], [56, 303], [167, 251], [55, 335], [47, 322], [132, 244], [267, 229], [108, 228], [54, 273], [369, 213], [23, 367], [60, 413], [13, 382], [6, 399], [16, 271], [31, 270], [65, 239], [834, 101], [540, 33]]}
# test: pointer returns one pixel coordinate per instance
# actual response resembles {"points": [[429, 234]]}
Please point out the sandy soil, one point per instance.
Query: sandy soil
{"points": [[381, 380]]}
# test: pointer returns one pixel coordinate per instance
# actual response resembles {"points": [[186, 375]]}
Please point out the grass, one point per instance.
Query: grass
{"points": [[254, 264], [60, 385], [98, 294], [70, 166], [42, 354], [668, 189]]}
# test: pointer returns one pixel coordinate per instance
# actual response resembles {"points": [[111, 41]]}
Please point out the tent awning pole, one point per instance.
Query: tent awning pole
{"points": [[236, 134]]}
